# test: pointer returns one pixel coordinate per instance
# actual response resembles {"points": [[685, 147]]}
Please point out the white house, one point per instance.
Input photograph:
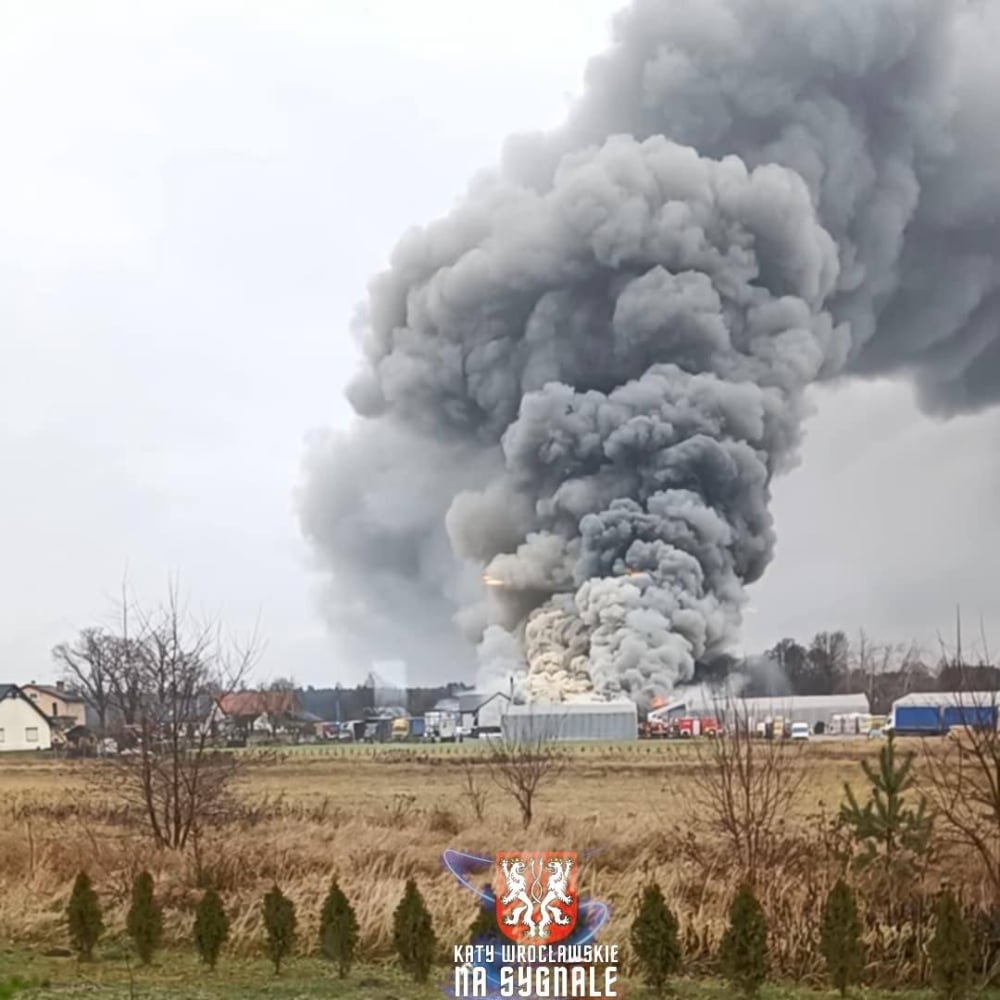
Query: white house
{"points": [[23, 725]]}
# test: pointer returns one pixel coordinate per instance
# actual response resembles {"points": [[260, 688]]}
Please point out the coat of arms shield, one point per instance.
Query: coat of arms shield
{"points": [[536, 896]]}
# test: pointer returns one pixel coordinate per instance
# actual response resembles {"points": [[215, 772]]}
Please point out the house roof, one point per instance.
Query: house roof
{"points": [[243, 704], [64, 694], [473, 701], [13, 691]]}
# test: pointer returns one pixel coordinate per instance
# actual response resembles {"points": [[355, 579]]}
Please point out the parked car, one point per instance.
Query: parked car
{"points": [[800, 731]]}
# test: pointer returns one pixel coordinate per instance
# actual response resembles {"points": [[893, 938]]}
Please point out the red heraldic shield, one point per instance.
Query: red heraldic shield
{"points": [[536, 895]]}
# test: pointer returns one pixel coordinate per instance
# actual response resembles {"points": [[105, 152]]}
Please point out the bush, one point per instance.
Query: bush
{"points": [[413, 934], [338, 930], [743, 953], [950, 950], [83, 914], [279, 922], [840, 937], [484, 928], [654, 939], [145, 918], [211, 927]]}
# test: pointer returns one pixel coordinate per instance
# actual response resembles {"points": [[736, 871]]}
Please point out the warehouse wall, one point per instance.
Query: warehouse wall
{"points": [[603, 722]]}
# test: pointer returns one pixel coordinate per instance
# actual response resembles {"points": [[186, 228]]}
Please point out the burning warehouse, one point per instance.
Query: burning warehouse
{"points": [[817, 711]]}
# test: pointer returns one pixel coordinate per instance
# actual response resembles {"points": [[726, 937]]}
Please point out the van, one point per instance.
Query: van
{"points": [[800, 731]]}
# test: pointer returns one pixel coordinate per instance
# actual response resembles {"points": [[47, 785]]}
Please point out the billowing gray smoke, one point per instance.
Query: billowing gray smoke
{"points": [[578, 386]]}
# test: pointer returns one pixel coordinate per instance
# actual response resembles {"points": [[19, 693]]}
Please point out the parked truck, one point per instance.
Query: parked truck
{"points": [[937, 720], [406, 728], [440, 727]]}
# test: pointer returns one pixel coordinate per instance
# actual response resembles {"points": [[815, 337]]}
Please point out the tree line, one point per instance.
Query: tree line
{"points": [[656, 951], [831, 663]]}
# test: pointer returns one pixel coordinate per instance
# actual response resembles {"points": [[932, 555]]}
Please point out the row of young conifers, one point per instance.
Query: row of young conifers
{"points": [[656, 953]]}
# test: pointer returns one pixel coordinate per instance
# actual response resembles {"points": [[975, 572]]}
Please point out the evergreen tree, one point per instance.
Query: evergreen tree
{"points": [[83, 914], [145, 918], [743, 953], [279, 922], [413, 934], [211, 927], [654, 939], [338, 930], [840, 937], [888, 830], [484, 929], [951, 950]]}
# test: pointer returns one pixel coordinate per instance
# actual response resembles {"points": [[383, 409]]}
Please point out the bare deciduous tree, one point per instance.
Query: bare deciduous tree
{"points": [[89, 663], [170, 672], [518, 764], [746, 789], [961, 777], [475, 794]]}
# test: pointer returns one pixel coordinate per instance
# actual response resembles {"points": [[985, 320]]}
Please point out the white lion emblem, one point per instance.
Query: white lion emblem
{"points": [[555, 893], [530, 896]]}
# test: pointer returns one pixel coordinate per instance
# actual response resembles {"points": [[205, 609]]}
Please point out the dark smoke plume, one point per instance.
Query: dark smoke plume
{"points": [[582, 381]]}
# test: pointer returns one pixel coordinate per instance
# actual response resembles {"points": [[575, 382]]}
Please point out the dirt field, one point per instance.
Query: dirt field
{"points": [[376, 817]]}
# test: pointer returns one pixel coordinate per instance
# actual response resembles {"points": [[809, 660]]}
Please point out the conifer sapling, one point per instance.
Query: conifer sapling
{"points": [[83, 914], [145, 918], [413, 934], [743, 953], [211, 927], [654, 939], [840, 938], [951, 950], [338, 930], [279, 922]]}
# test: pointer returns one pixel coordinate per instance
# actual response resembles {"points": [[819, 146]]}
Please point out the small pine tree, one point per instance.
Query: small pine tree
{"points": [[888, 830], [279, 922], [654, 939], [413, 934], [484, 928], [145, 918], [840, 938], [743, 953], [951, 950], [338, 930], [211, 927], [83, 914]]}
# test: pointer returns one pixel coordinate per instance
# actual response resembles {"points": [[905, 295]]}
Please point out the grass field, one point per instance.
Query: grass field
{"points": [[179, 978], [376, 816]]}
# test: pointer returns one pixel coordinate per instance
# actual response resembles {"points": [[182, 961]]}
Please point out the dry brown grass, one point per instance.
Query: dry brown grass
{"points": [[377, 820]]}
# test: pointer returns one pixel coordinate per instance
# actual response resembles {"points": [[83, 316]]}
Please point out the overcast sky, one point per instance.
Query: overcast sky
{"points": [[191, 205]]}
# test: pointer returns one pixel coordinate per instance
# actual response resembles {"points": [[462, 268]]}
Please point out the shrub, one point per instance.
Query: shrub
{"points": [[279, 922], [83, 914], [211, 927], [338, 930], [413, 934], [654, 939], [950, 950], [145, 918], [840, 937], [484, 929], [743, 953]]}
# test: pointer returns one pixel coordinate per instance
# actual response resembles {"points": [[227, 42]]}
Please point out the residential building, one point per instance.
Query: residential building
{"points": [[58, 702], [23, 725]]}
